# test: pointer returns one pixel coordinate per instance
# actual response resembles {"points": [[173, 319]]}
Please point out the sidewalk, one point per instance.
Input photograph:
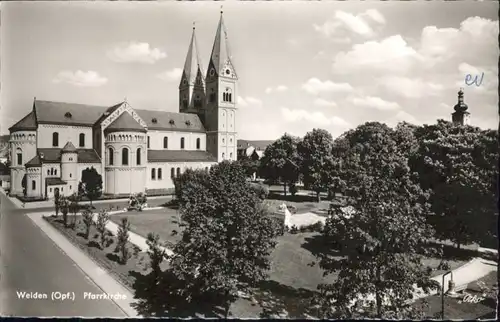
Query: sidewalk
{"points": [[98, 275]]}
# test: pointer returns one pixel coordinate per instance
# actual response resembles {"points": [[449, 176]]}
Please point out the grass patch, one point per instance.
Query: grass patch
{"points": [[106, 258], [163, 222]]}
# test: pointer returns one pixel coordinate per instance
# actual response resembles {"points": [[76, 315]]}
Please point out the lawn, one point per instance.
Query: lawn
{"points": [[293, 277], [107, 258]]}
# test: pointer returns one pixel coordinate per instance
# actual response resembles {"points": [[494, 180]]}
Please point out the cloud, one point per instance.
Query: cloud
{"points": [[315, 86], [249, 101], [136, 52], [410, 87], [279, 88], [171, 75], [375, 103], [487, 78], [318, 118], [80, 78], [400, 117], [392, 54], [472, 42], [324, 103], [358, 24]]}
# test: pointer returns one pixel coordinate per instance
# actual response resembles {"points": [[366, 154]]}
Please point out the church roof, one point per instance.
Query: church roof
{"points": [[461, 106], [54, 181], [125, 122], [27, 123], [67, 113], [180, 156], [220, 50], [170, 121], [192, 67], [47, 112], [33, 163], [54, 155], [69, 147]]}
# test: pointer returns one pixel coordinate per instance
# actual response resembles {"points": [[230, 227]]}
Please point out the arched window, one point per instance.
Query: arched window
{"points": [[223, 156], [159, 173], [198, 143], [82, 140], [48, 172], [178, 171], [165, 142], [51, 171], [111, 153], [19, 156], [182, 143], [231, 156], [153, 173], [33, 185], [172, 173], [149, 141], [125, 156], [55, 139], [227, 95], [138, 156], [55, 172]]}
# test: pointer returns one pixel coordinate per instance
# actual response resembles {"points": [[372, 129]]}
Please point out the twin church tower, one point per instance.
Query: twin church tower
{"points": [[211, 94]]}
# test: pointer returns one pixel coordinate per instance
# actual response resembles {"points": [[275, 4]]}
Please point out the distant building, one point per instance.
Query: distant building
{"points": [[461, 116], [252, 149], [134, 150]]}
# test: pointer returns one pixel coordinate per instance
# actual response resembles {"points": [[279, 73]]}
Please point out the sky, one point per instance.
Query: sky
{"points": [[301, 65]]}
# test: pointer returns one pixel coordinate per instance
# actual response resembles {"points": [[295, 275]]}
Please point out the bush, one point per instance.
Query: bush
{"points": [[293, 189], [444, 266], [260, 190], [294, 230]]}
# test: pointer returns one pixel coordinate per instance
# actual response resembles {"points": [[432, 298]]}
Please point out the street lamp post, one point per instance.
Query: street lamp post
{"points": [[451, 290]]}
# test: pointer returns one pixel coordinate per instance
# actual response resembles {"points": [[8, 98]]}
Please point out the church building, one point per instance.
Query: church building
{"points": [[134, 150]]}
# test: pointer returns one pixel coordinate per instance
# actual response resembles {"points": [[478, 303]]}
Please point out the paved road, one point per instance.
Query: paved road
{"points": [[30, 261]]}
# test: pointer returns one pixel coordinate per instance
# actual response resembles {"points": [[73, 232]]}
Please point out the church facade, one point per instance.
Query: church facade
{"points": [[134, 150]]}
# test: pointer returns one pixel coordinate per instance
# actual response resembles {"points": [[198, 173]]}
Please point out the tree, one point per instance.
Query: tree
{"points": [[384, 236], [227, 238], [281, 161], [91, 184], [122, 240], [102, 221], [74, 207], [64, 205], [459, 164], [156, 256], [88, 220], [23, 184], [56, 201], [250, 165], [318, 164], [189, 175]]}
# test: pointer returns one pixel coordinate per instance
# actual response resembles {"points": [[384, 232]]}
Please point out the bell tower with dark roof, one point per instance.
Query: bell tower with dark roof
{"points": [[461, 116], [220, 114], [192, 85]]}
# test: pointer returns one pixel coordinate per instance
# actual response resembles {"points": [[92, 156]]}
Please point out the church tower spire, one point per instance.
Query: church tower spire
{"points": [[220, 112], [461, 116], [192, 85]]}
